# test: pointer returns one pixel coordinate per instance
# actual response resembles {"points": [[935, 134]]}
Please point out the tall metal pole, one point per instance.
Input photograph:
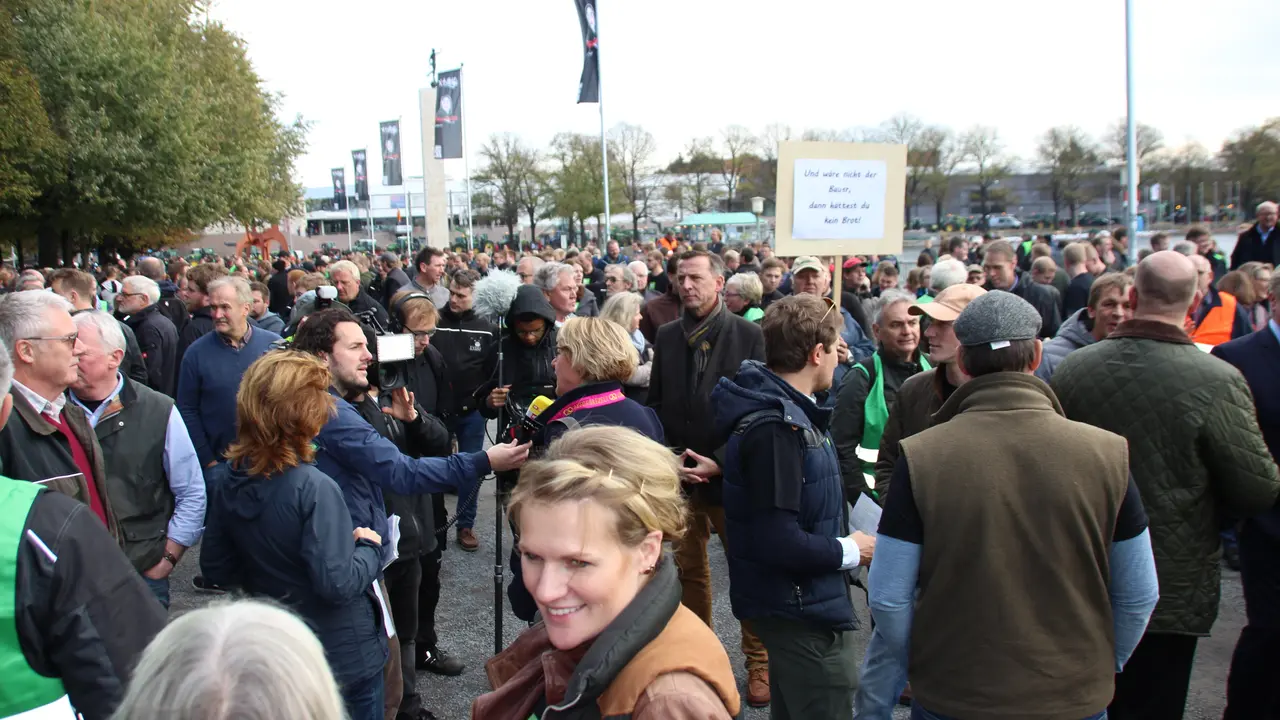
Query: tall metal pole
{"points": [[1131, 151], [604, 146], [368, 204], [466, 162], [408, 193]]}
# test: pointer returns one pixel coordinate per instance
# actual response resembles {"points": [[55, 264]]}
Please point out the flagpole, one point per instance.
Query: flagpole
{"points": [[604, 146], [408, 191], [466, 160]]}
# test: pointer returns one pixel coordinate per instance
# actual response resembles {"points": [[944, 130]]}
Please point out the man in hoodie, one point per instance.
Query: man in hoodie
{"points": [[261, 315], [789, 546], [1108, 307], [469, 344]]}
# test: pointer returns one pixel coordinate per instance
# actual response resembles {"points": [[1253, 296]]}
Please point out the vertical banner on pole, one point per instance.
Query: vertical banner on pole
{"points": [[449, 115], [391, 174], [589, 83], [339, 188], [358, 158]]}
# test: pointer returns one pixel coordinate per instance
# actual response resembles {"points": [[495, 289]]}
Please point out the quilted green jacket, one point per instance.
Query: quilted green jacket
{"points": [[1195, 452]]}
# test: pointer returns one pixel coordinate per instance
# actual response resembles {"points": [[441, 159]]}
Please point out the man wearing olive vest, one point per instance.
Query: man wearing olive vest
{"points": [[74, 616], [870, 390]]}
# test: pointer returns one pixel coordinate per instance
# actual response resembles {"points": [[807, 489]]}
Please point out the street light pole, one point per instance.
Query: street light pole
{"points": [[1131, 151]]}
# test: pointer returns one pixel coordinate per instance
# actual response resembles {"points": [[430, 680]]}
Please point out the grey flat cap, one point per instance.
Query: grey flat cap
{"points": [[997, 317]]}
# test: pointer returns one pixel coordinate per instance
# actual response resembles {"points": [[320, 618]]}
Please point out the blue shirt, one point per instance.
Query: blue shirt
{"points": [[1265, 235], [186, 481]]}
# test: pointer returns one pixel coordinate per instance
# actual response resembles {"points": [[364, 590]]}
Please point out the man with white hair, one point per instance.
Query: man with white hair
{"points": [[80, 289], [78, 615], [213, 365], [527, 267], [869, 393], [154, 484], [641, 273], [49, 441], [558, 282], [618, 279], [947, 273], [138, 307], [345, 276], [30, 280], [1259, 243]]}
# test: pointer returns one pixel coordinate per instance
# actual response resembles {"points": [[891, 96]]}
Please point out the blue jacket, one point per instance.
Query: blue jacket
{"points": [[288, 537], [782, 564], [207, 384], [363, 463], [1257, 356]]}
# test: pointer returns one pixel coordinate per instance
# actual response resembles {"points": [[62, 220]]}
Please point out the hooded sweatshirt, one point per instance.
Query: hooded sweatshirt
{"points": [[526, 369], [1074, 334]]}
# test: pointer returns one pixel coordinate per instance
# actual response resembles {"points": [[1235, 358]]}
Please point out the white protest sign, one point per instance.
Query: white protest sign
{"points": [[839, 199]]}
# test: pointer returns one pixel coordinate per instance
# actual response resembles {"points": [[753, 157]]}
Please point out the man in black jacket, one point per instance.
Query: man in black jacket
{"points": [[690, 356], [281, 300], [196, 297], [393, 278], [1000, 265], [1258, 243], [469, 344], [137, 307], [82, 616], [345, 276], [169, 303]]}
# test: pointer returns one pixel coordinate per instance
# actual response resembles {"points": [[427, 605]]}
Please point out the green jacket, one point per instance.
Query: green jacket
{"points": [[1195, 452]]}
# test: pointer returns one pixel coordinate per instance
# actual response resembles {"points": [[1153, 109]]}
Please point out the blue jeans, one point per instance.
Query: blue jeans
{"points": [[469, 430], [159, 588], [919, 713], [365, 698]]}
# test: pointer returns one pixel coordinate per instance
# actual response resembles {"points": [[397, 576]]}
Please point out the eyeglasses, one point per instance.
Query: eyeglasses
{"points": [[530, 333], [424, 333], [70, 340]]}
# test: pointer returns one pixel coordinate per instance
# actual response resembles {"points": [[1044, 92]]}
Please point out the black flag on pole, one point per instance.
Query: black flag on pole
{"points": [[340, 188], [589, 83], [449, 115], [362, 175], [391, 153]]}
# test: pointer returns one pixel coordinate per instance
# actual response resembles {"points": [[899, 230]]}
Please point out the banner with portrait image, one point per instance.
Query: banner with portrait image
{"points": [[449, 115], [390, 132]]}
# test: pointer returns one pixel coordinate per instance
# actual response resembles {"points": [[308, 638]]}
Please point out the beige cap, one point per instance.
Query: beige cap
{"points": [[949, 303], [806, 262]]}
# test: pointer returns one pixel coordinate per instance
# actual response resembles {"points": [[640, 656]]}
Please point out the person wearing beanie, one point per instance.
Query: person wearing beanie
{"points": [[1002, 586]]}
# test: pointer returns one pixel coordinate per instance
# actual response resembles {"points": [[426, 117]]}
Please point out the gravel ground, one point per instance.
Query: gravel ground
{"points": [[465, 624]]}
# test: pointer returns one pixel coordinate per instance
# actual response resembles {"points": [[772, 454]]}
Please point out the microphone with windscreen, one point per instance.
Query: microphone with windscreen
{"points": [[494, 294]]}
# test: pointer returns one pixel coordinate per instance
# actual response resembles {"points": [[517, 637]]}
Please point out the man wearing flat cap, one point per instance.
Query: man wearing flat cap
{"points": [[1034, 572]]}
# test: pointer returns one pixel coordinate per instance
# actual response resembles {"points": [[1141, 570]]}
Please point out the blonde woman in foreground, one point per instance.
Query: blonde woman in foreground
{"points": [[614, 640]]}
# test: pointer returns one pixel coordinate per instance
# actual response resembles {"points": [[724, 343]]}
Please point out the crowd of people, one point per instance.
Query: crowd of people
{"points": [[1058, 440]]}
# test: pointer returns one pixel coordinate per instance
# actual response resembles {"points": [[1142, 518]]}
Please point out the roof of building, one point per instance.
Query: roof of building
{"points": [[718, 218]]}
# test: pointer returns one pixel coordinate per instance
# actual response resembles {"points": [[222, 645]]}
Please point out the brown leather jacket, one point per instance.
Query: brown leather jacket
{"points": [[655, 661]]}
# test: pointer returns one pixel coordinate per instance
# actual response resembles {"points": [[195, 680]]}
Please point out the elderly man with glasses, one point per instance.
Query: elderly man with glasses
{"points": [[49, 440]]}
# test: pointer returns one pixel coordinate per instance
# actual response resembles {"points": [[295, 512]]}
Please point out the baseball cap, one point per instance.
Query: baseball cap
{"points": [[806, 262], [853, 262], [949, 303]]}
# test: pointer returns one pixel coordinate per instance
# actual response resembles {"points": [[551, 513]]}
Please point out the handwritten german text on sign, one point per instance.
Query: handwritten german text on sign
{"points": [[839, 199]]}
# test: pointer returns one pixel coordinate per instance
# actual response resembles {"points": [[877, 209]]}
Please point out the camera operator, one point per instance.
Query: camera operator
{"points": [[469, 344], [528, 348], [421, 436]]}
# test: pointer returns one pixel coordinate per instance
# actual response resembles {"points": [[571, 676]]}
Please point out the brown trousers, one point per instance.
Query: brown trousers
{"points": [[392, 680], [695, 573]]}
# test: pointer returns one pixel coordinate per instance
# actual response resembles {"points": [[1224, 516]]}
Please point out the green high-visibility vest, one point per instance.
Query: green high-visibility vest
{"points": [[22, 688], [875, 412]]}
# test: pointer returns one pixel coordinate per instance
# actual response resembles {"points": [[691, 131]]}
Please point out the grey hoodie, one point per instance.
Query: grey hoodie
{"points": [[1073, 335]]}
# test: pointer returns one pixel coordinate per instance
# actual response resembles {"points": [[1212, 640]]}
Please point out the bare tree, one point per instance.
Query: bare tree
{"points": [[738, 143], [534, 191], [1072, 160], [983, 149], [499, 178], [941, 154], [699, 165], [1117, 141], [904, 129], [632, 147]]}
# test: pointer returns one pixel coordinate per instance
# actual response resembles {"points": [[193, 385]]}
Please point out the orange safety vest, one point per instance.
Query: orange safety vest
{"points": [[1217, 324]]}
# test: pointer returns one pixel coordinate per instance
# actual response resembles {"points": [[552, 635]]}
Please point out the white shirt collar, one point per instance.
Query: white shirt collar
{"points": [[42, 405]]}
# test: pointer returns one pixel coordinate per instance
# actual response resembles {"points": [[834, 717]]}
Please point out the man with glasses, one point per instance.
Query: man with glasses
{"points": [[49, 441], [528, 267], [80, 289], [138, 307], [618, 279]]}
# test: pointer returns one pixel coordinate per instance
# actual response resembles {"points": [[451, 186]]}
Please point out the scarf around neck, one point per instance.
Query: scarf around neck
{"points": [[701, 334]]}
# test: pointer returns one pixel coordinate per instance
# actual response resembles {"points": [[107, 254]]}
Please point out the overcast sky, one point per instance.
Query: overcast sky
{"points": [[687, 68]]}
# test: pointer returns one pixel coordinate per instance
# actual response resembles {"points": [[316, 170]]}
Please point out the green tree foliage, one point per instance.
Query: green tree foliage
{"points": [[506, 161], [1252, 157], [1072, 161], [577, 180], [161, 125]]}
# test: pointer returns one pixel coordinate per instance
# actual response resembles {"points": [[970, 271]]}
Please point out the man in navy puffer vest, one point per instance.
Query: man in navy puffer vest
{"points": [[789, 546]]}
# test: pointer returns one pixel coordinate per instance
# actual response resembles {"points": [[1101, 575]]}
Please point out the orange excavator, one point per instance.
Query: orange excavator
{"points": [[262, 241]]}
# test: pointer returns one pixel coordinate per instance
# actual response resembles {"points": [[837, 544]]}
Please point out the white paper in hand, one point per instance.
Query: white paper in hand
{"points": [[864, 515], [387, 622], [391, 543]]}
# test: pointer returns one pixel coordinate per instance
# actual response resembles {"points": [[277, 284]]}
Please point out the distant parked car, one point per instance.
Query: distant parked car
{"points": [[1001, 222]]}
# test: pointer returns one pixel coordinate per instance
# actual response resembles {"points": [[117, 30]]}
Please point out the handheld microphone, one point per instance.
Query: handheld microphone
{"points": [[529, 424]]}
